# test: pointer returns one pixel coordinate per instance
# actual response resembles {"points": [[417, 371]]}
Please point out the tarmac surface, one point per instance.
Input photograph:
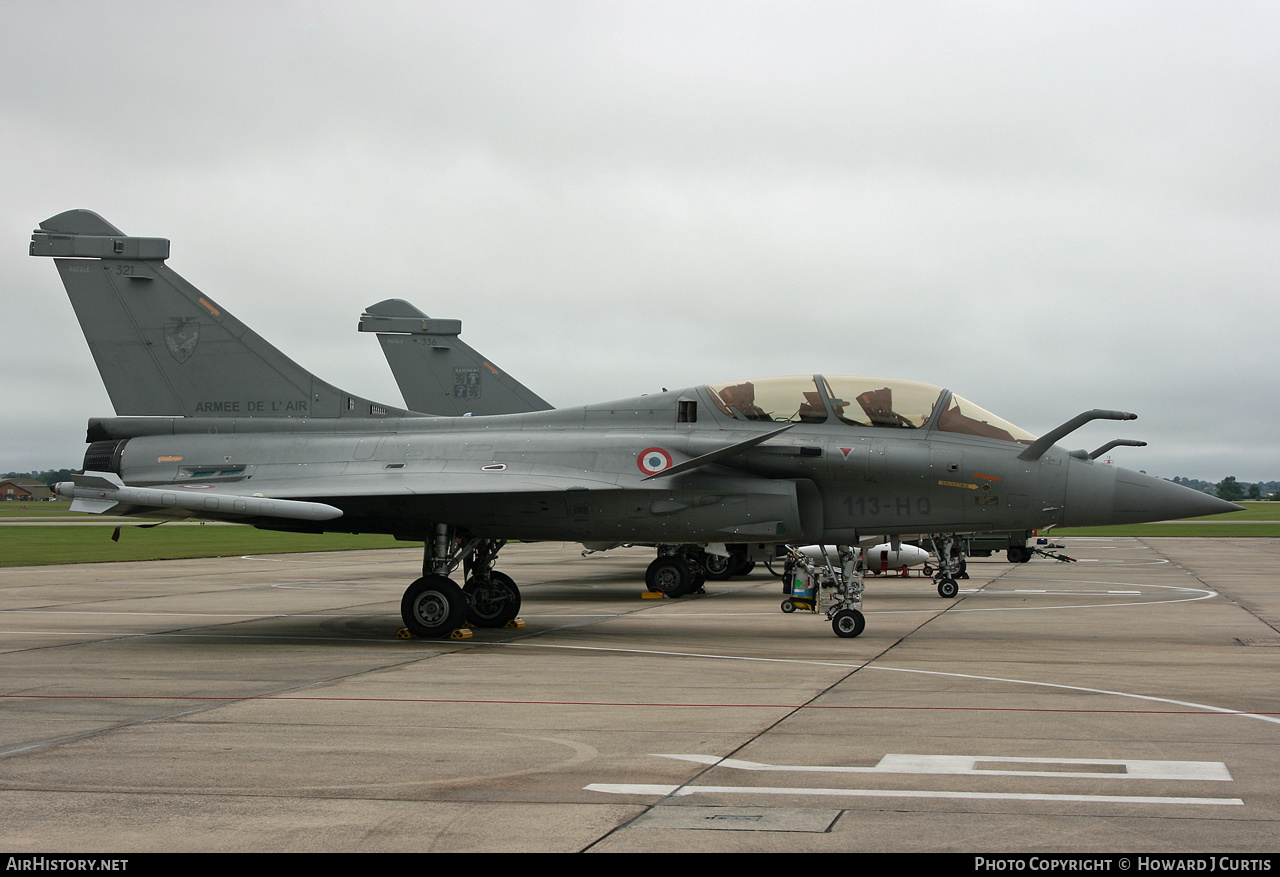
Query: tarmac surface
{"points": [[1129, 702]]}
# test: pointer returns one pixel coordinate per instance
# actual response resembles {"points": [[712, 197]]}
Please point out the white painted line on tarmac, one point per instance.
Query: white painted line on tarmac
{"points": [[1061, 593], [683, 791], [1275, 720], [1186, 703], [971, 765]]}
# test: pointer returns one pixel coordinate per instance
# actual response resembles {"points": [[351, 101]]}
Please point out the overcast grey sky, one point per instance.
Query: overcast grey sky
{"points": [[1047, 207]]}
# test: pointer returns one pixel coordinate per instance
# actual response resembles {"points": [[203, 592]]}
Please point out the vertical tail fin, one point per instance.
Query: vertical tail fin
{"points": [[163, 347], [438, 373]]}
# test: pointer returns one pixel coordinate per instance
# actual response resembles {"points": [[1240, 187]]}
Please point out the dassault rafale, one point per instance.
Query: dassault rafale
{"points": [[215, 423]]}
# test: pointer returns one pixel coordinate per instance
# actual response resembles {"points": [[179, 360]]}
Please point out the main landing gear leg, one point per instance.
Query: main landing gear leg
{"points": [[951, 564], [434, 607]]}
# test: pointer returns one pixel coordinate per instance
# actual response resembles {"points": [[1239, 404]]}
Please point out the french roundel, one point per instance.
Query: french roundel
{"points": [[653, 460]]}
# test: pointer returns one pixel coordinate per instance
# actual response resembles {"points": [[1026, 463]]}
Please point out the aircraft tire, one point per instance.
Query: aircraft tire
{"points": [[433, 607], [742, 566], [717, 567], [848, 623], [947, 588], [1018, 554], [492, 603], [670, 575]]}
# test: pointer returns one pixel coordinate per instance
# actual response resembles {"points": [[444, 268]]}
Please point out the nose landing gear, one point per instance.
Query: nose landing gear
{"points": [[821, 586], [951, 565]]}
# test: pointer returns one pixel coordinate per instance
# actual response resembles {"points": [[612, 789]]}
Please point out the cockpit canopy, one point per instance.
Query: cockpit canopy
{"points": [[861, 402]]}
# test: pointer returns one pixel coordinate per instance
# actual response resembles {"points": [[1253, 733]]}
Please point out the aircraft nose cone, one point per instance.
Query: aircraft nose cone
{"points": [[1140, 498], [1098, 495]]}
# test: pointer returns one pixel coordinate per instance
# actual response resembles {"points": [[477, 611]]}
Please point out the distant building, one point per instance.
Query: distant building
{"points": [[24, 490]]}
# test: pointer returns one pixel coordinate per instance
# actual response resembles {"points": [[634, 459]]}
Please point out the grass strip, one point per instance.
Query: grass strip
{"points": [[40, 546]]}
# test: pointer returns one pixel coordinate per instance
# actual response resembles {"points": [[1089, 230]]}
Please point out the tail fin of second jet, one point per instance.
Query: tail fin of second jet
{"points": [[437, 371], [163, 347]]}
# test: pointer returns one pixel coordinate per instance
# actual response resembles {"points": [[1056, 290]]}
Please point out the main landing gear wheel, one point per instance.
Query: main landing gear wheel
{"points": [[947, 588], [492, 603], [848, 623], [671, 576], [718, 567], [1018, 554], [433, 607]]}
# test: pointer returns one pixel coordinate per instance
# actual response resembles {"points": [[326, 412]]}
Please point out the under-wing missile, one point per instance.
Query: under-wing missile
{"points": [[99, 492]]}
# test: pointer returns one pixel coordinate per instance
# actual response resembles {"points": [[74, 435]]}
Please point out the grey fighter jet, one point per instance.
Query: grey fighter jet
{"points": [[809, 459]]}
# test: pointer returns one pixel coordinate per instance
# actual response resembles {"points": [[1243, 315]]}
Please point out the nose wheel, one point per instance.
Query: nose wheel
{"points": [[848, 623], [952, 564]]}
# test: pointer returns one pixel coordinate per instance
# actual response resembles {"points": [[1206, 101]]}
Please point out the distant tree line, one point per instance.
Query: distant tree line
{"points": [[48, 476], [1231, 489]]}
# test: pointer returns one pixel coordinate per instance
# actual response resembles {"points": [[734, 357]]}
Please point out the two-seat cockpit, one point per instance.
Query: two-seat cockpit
{"points": [[861, 402]]}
